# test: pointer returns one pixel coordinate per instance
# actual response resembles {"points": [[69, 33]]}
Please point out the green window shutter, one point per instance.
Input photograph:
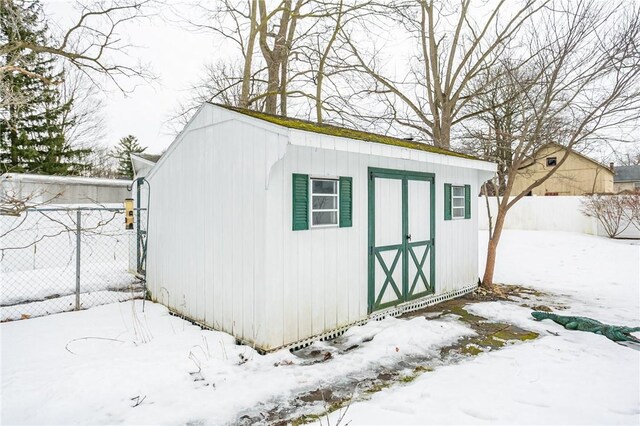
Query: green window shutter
{"points": [[346, 204], [300, 195], [467, 201], [447, 201]]}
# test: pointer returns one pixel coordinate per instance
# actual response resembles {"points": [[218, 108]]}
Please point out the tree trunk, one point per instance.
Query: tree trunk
{"points": [[248, 59], [283, 85], [445, 128], [445, 134], [272, 88], [492, 247], [323, 61]]}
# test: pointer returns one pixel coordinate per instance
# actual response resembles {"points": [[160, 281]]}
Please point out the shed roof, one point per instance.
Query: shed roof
{"points": [[627, 174], [150, 157], [345, 132]]}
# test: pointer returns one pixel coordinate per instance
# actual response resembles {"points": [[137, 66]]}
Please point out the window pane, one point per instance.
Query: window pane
{"points": [[324, 202], [324, 186], [458, 202], [325, 218], [458, 212], [458, 191]]}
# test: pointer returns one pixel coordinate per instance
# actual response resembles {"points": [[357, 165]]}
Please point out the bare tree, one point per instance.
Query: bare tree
{"points": [[85, 120], [93, 43], [235, 22], [102, 162], [614, 212], [243, 24], [453, 51], [583, 79], [222, 83], [632, 209], [285, 52], [320, 54], [12, 204], [631, 157]]}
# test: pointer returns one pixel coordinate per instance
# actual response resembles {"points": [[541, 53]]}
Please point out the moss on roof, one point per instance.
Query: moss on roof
{"points": [[328, 129]]}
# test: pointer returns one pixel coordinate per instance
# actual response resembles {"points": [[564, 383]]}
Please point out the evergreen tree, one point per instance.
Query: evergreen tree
{"points": [[32, 130], [127, 146]]}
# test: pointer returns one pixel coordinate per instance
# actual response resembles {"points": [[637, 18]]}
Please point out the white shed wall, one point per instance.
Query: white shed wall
{"points": [[206, 226], [317, 279]]}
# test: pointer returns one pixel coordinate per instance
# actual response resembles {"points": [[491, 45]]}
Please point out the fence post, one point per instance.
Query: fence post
{"points": [[78, 228], [138, 236]]}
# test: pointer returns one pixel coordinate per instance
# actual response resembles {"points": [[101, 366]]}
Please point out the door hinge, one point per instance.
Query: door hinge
{"points": [[370, 249]]}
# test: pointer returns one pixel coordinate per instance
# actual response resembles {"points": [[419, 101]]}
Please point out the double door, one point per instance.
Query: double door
{"points": [[401, 237]]}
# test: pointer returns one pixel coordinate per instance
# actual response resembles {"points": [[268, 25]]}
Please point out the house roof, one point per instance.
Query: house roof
{"points": [[329, 129], [627, 174]]}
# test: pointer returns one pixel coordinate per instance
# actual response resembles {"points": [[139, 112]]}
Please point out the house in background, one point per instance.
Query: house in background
{"points": [[578, 175], [627, 179], [42, 189], [281, 231]]}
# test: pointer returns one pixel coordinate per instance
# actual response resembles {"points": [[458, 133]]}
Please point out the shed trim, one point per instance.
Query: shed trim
{"points": [[408, 150], [395, 311]]}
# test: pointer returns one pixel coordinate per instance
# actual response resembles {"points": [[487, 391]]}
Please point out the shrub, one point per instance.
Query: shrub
{"points": [[614, 212]]}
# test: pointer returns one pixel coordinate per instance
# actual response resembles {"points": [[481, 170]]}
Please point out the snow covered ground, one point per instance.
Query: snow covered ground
{"points": [[91, 367], [38, 261], [115, 364], [47, 291], [573, 378]]}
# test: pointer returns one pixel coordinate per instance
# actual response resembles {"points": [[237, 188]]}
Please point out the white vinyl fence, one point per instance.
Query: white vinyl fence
{"points": [[548, 214]]}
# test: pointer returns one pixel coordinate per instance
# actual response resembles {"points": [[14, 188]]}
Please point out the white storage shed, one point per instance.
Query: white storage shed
{"points": [[280, 231]]}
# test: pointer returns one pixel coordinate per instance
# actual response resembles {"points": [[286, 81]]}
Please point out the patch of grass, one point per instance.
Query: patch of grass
{"points": [[377, 387], [423, 369], [409, 379], [507, 335], [312, 418], [471, 349], [305, 419], [464, 315], [541, 308]]}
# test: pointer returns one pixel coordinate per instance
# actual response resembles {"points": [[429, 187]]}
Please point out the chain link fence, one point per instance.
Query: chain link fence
{"points": [[63, 259]]}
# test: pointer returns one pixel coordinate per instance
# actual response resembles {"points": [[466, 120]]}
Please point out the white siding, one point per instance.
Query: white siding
{"points": [[319, 277], [206, 232]]}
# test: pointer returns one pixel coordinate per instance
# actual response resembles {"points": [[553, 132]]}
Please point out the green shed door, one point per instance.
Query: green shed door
{"points": [[401, 237]]}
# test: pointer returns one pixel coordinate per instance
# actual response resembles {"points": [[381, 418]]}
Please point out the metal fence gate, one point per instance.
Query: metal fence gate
{"points": [[58, 259]]}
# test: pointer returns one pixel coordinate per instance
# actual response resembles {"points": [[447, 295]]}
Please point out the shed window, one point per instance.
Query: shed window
{"points": [[552, 161], [457, 202], [324, 202]]}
